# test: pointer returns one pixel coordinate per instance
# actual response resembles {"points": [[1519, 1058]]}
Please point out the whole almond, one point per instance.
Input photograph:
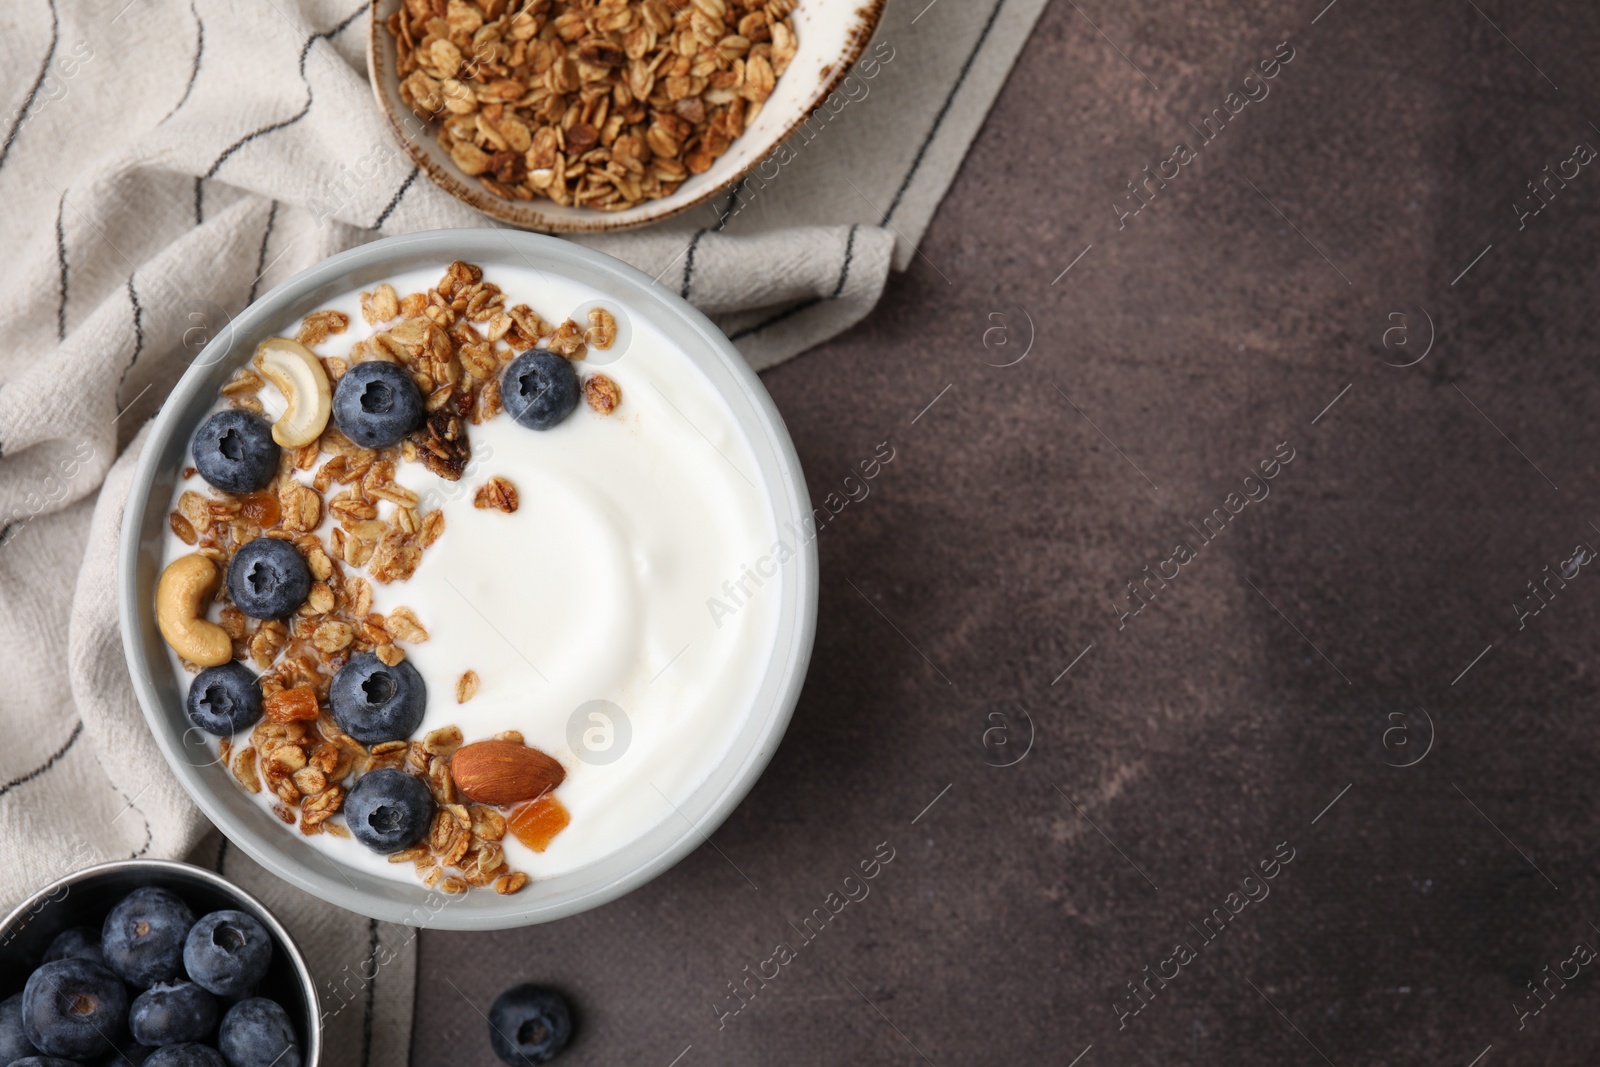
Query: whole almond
{"points": [[504, 772]]}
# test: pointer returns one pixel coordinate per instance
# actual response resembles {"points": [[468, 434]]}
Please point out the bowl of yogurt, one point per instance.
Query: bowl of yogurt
{"points": [[467, 579]]}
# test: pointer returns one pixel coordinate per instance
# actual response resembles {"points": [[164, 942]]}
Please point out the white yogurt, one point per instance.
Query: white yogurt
{"points": [[596, 588]]}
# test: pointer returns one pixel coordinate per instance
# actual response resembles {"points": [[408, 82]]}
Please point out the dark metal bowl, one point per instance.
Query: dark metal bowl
{"points": [[83, 898]]}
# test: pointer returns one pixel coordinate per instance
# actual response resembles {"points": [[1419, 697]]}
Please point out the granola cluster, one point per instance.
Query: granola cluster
{"points": [[454, 340], [591, 103]]}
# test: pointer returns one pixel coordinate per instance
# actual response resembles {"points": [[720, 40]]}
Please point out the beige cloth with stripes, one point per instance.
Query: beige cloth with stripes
{"points": [[164, 156]]}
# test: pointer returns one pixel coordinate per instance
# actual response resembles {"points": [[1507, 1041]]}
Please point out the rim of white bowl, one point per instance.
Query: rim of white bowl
{"points": [[273, 845]]}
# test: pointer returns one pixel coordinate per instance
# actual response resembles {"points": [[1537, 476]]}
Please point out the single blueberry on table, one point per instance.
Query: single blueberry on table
{"points": [[143, 937], [257, 1033], [234, 451], [539, 389], [228, 953], [74, 1009], [376, 403], [222, 701], [268, 578], [529, 1025], [76, 943], [388, 810], [186, 1055], [14, 1043], [373, 702], [172, 1013]]}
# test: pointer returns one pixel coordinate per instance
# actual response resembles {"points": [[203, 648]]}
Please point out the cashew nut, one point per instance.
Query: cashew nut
{"points": [[181, 598], [299, 376]]}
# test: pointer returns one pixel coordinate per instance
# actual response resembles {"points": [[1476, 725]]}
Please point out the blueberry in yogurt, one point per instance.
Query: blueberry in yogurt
{"points": [[376, 404], [539, 389], [389, 810], [268, 578], [374, 702], [228, 953], [234, 451], [222, 701]]}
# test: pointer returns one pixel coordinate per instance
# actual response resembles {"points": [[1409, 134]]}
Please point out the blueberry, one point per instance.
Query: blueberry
{"points": [[14, 1043], [128, 1055], [43, 1061], [224, 700], [74, 1009], [376, 403], [389, 810], [529, 1024], [257, 1033], [77, 943], [539, 389], [373, 702], [235, 452], [167, 1014], [143, 937], [186, 1055], [268, 578], [228, 953]]}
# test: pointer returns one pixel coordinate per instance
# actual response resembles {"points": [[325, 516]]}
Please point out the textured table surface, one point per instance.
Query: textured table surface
{"points": [[1351, 674]]}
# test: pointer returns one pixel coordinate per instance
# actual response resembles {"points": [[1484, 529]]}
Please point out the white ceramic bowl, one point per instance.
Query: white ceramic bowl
{"points": [[831, 35], [251, 826]]}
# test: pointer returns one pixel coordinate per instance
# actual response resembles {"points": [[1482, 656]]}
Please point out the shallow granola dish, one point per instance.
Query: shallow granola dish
{"points": [[828, 37], [316, 863], [81, 897]]}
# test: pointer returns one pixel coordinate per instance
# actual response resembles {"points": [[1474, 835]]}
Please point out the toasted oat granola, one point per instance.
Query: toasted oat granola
{"points": [[497, 493], [454, 339], [590, 103]]}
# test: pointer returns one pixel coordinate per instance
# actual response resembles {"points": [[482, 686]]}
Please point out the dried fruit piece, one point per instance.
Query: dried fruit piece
{"points": [[442, 443], [536, 824], [292, 705]]}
